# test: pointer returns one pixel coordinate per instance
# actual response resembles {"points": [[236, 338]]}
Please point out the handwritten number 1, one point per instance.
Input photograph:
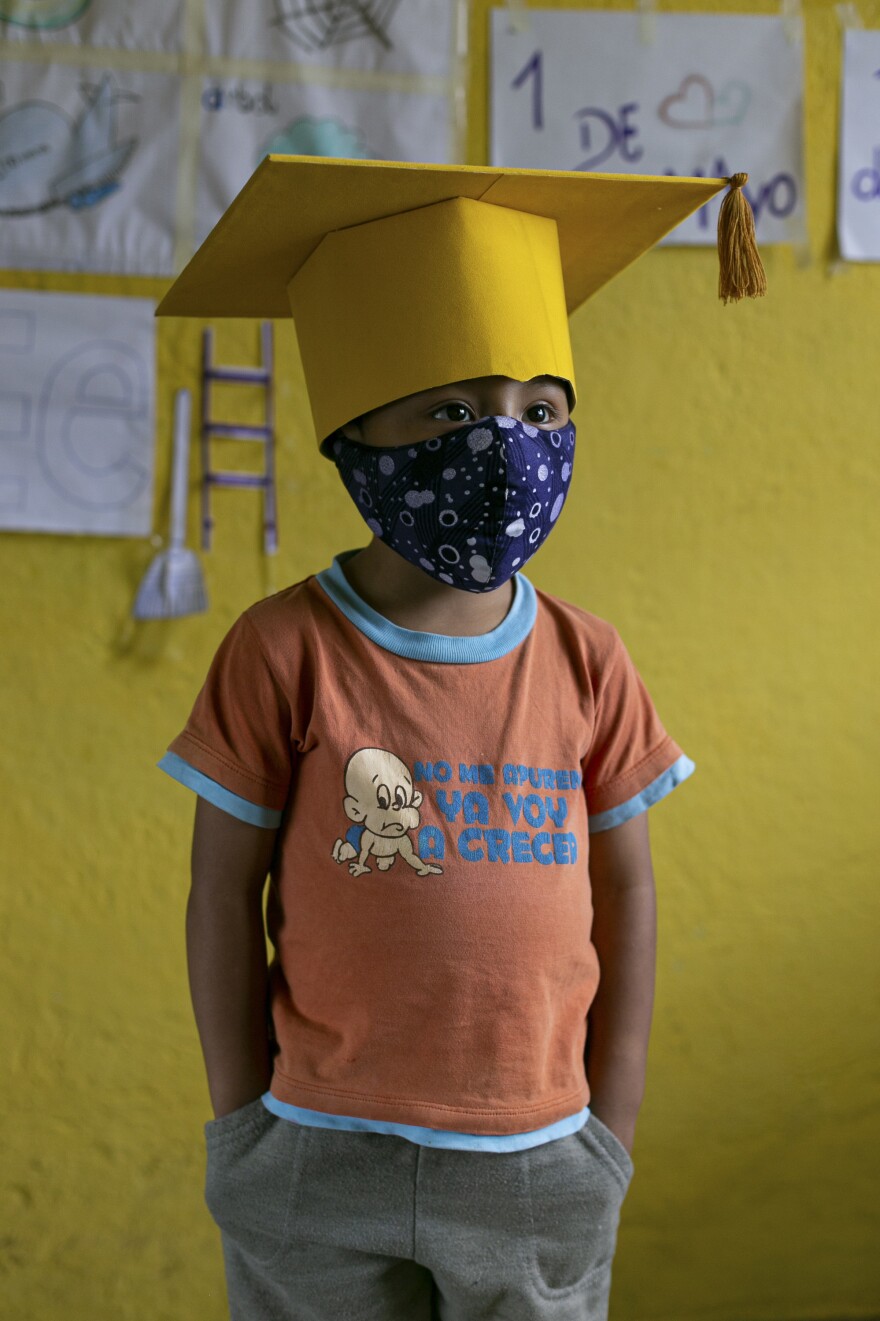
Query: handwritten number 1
{"points": [[534, 68]]}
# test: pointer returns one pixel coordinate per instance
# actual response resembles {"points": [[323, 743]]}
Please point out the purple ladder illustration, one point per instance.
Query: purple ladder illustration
{"points": [[263, 435]]}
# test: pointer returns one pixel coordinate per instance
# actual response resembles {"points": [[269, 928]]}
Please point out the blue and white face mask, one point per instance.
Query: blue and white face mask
{"points": [[469, 507]]}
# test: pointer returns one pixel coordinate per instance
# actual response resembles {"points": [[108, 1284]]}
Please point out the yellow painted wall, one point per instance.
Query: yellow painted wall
{"points": [[725, 517]]}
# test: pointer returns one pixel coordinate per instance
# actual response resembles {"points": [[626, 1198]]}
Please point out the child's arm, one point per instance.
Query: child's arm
{"points": [[624, 933], [226, 954]]}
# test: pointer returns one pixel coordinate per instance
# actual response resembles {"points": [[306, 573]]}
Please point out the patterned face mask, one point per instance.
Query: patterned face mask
{"points": [[469, 507]]}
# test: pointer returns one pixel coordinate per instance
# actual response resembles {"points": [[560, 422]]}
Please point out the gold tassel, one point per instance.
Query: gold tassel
{"points": [[740, 270]]}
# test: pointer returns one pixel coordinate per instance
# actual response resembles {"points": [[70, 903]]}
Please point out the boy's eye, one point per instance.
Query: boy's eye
{"points": [[453, 413], [399, 798], [539, 413]]}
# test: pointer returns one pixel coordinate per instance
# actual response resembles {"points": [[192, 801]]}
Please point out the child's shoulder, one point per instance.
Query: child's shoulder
{"points": [[291, 599], [569, 623], [275, 621]]}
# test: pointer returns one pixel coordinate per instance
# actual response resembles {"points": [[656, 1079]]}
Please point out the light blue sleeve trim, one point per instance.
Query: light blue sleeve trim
{"points": [[677, 773], [205, 787], [445, 648], [429, 1137]]}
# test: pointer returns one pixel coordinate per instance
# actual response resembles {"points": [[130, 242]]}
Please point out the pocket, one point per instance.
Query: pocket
{"points": [[253, 1162], [608, 1146], [227, 1123], [575, 1195]]}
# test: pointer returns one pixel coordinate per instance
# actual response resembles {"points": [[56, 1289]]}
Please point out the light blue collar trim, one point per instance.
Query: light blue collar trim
{"points": [[445, 648]]}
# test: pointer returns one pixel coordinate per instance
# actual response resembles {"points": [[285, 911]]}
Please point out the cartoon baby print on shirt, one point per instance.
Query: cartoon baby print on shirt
{"points": [[381, 801]]}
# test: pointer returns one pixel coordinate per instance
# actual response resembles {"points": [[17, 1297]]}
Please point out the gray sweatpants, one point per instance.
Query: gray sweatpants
{"points": [[326, 1225]]}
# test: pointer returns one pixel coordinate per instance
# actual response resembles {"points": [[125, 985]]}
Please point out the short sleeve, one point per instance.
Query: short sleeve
{"points": [[238, 735], [632, 762]]}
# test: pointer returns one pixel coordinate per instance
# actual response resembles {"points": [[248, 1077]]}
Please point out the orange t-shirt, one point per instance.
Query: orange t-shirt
{"points": [[429, 899]]}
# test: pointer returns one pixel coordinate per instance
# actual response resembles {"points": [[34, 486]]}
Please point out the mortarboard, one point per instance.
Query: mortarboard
{"points": [[401, 277]]}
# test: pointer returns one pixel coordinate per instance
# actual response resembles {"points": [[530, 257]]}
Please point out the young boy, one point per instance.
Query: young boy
{"points": [[423, 753]]}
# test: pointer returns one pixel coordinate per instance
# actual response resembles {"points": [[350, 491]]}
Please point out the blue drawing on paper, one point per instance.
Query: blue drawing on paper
{"points": [[696, 104], [48, 159], [317, 137], [318, 24], [865, 183], [602, 134], [42, 14]]}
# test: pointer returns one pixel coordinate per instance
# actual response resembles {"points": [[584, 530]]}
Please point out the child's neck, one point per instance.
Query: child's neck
{"points": [[411, 598]]}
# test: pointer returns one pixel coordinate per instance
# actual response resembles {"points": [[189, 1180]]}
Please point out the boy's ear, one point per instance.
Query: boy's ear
{"points": [[352, 430]]}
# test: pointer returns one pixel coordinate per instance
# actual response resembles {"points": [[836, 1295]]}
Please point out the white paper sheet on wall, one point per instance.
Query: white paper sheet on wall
{"points": [[87, 176], [379, 36], [77, 421], [243, 121], [126, 129], [858, 209], [692, 94]]}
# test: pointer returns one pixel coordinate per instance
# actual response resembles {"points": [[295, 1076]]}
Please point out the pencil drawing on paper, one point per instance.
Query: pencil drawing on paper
{"points": [[89, 421], [49, 159], [320, 24], [696, 103]]}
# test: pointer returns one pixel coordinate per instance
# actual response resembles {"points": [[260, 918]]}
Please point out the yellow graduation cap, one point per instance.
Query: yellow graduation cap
{"points": [[401, 277]]}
